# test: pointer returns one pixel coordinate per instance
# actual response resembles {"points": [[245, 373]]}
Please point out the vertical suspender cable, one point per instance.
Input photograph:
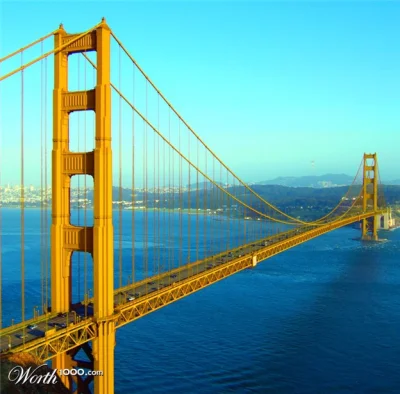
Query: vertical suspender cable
{"points": [[181, 259], [46, 222], [251, 222], [189, 203], [169, 193], [79, 181], [146, 243], [164, 231], [197, 203], [1, 254], [220, 204], [212, 207], [228, 205], [120, 175], [85, 198], [244, 218], [144, 197], [156, 268], [203, 207], [133, 177], [172, 216], [237, 191], [42, 235], [263, 227], [182, 187], [206, 182], [164, 208], [158, 190], [22, 200]]}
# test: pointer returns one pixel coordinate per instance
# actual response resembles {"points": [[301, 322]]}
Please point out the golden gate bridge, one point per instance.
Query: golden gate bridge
{"points": [[172, 189]]}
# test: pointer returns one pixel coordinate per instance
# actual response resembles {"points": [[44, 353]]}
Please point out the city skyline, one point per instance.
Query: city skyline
{"points": [[89, 185]]}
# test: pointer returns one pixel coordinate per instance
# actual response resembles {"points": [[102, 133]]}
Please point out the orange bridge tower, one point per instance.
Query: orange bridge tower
{"points": [[97, 240]]}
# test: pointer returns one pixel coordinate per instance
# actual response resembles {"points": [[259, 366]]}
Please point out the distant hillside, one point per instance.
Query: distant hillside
{"points": [[305, 202], [322, 181], [202, 185], [282, 196]]}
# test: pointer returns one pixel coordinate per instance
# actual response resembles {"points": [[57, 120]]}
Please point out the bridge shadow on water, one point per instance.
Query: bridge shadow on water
{"points": [[342, 343]]}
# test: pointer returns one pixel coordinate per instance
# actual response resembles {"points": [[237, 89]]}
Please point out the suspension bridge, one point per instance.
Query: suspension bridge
{"points": [[177, 218]]}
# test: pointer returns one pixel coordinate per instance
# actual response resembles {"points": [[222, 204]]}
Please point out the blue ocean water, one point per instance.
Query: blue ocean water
{"points": [[323, 317]]}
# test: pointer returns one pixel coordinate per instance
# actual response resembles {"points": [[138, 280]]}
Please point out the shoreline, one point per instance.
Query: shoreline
{"points": [[190, 211], [166, 210]]}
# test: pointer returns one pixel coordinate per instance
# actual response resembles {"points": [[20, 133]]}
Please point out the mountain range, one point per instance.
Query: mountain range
{"points": [[321, 181]]}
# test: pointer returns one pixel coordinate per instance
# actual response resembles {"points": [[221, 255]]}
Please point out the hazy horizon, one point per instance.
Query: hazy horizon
{"points": [[90, 184]]}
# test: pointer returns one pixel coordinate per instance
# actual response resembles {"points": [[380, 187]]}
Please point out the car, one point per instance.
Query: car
{"points": [[62, 315], [21, 336], [32, 326], [151, 283], [130, 298], [173, 276], [137, 295]]}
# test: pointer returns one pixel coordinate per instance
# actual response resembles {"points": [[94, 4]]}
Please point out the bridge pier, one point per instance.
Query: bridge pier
{"points": [[61, 362], [103, 355], [372, 225], [369, 229]]}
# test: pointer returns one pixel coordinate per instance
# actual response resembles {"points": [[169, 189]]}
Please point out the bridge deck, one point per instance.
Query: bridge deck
{"points": [[56, 333]]}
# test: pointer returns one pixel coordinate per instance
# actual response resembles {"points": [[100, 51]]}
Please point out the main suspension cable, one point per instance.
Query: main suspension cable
{"points": [[41, 39], [191, 163], [343, 198], [54, 50], [201, 141]]}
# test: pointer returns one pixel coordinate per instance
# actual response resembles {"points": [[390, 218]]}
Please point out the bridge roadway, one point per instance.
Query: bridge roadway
{"points": [[49, 334]]}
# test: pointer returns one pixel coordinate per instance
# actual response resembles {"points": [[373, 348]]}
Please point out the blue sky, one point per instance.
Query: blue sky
{"points": [[271, 86]]}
